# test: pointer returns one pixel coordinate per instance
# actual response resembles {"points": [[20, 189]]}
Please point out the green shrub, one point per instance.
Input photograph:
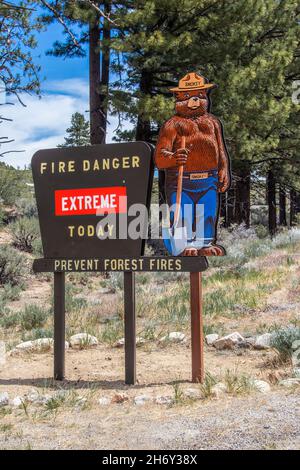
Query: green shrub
{"points": [[25, 232], [37, 247], [27, 207], [12, 266], [9, 319], [33, 316], [9, 293], [283, 339], [1, 216], [37, 333]]}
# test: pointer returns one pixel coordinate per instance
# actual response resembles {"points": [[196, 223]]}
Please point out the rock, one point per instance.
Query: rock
{"points": [[164, 400], [174, 337], [261, 386], [296, 372], [121, 342], [119, 398], [4, 399], [210, 339], [104, 401], [2, 353], [290, 383], [82, 340], [263, 341], [141, 400], [16, 402], [218, 390], [192, 393], [36, 398], [37, 345], [229, 341]]}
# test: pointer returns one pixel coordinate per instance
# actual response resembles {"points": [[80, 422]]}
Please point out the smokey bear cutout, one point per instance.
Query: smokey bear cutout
{"points": [[191, 150]]}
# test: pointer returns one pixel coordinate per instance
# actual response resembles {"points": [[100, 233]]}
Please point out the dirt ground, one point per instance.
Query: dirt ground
{"points": [[243, 421], [252, 421]]}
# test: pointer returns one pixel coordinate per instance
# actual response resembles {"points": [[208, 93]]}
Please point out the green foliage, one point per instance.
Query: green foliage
{"points": [[112, 331], [27, 206], [10, 184], [207, 385], [9, 293], [78, 134], [25, 233], [12, 266], [282, 341], [238, 383], [9, 319], [33, 316]]}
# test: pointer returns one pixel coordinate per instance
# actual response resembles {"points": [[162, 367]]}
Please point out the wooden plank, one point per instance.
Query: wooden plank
{"points": [[59, 326], [197, 328], [143, 263], [130, 328]]}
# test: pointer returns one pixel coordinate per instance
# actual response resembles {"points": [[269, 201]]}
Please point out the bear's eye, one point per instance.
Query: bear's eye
{"points": [[187, 95]]}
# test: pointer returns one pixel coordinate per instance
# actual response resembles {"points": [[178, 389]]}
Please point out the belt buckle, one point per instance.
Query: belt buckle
{"points": [[198, 176]]}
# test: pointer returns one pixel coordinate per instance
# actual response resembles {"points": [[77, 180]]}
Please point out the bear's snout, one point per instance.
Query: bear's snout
{"points": [[194, 102]]}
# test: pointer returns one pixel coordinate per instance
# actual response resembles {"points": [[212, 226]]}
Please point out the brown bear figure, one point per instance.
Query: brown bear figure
{"points": [[205, 163]]}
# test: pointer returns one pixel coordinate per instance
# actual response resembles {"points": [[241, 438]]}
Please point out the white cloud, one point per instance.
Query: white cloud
{"points": [[43, 122]]}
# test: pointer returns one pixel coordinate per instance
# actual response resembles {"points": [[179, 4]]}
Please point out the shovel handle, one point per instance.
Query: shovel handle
{"points": [[179, 188]]}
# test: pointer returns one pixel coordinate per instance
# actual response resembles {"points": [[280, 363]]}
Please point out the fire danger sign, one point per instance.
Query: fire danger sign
{"points": [[85, 197]]}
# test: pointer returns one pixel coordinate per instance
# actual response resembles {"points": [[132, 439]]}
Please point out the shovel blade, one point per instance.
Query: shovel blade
{"points": [[175, 241]]}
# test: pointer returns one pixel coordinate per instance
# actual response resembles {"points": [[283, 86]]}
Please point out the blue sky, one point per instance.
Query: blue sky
{"points": [[43, 122]]}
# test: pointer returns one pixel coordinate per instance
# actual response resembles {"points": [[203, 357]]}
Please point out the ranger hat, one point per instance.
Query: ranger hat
{"points": [[192, 81]]}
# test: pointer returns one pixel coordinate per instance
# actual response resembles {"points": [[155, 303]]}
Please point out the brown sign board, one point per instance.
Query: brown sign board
{"points": [[143, 263], [76, 188]]}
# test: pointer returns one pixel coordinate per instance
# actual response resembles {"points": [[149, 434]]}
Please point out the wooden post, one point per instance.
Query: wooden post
{"points": [[130, 331], [197, 327], [59, 326]]}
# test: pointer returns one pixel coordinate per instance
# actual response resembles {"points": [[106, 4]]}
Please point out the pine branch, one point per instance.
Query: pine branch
{"points": [[99, 11], [62, 22]]}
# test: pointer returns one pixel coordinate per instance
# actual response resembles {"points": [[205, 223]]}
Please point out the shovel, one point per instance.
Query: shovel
{"points": [[177, 236]]}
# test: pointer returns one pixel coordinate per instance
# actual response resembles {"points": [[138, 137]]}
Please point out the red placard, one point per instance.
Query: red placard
{"points": [[87, 201]]}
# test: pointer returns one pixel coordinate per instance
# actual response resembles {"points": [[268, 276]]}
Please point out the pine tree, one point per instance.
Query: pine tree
{"points": [[78, 134], [18, 72]]}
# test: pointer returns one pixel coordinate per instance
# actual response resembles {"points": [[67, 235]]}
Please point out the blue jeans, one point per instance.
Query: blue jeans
{"points": [[198, 209]]}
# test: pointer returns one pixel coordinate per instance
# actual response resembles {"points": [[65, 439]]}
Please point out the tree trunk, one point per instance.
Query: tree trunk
{"points": [[271, 198], [105, 65], [242, 195], [292, 207], [95, 80], [282, 207], [143, 128]]}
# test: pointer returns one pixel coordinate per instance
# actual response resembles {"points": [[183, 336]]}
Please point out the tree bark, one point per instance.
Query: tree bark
{"points": [[95, 80], [242, 195], [282, 207], [292, 207], [271, 198], [99, 76], [105, 66], [143, 128]]}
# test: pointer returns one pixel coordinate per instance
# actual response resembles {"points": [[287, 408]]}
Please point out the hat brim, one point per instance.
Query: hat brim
{"points": [[203, 87]]}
